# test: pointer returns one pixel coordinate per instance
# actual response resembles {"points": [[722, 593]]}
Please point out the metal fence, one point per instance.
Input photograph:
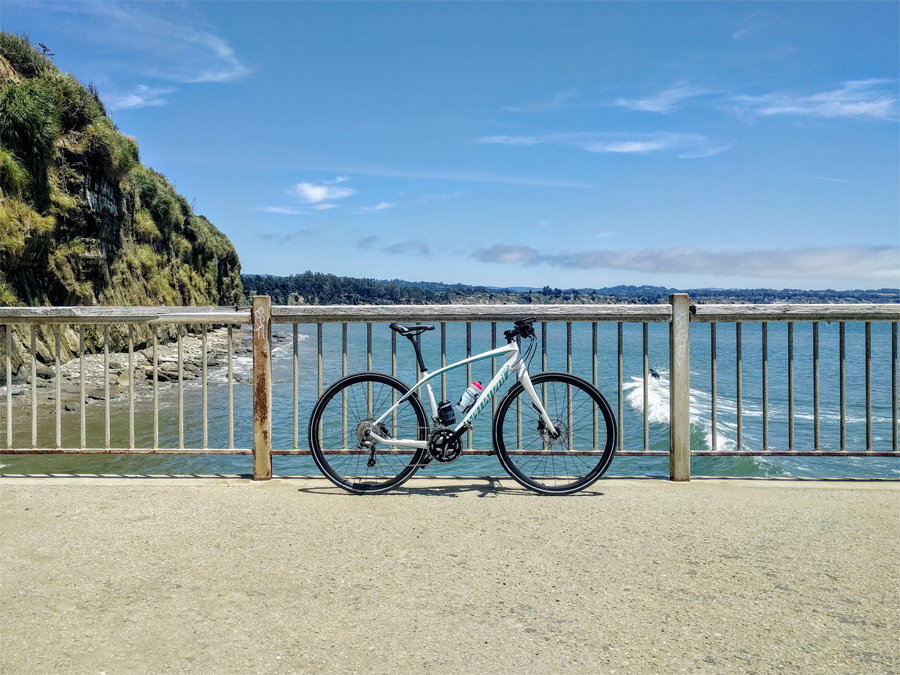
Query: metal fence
{"points": [[625, 320]]}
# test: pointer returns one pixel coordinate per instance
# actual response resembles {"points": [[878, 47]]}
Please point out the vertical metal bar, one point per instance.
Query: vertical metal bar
{"points": [[204, 388], [59, 391], [569, 387], [106, 380], [230, 388], [544, 347], [519, 410], [739, 376], [443, 360], [713, 433], [868, 386], [369, 367], [34, 386], [180, 388], [815, 337], [765, 386], [842, 381], [894, 386], [156, 385], [680, 388], [790, 345], [621, 372], [130, 386], [543, 387], [81, 378], [319, 357], [646, 385], [468, 372], [296, 390], [493, 366], [394, 391], [9, 436], [594, 379], [262, 387], [344, 391]]}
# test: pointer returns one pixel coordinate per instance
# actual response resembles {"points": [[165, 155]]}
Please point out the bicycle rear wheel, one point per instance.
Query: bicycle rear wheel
{"points": [[581, 451], [338, 439]]}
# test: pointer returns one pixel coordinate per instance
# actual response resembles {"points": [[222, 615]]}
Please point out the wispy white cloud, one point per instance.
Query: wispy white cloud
{"points": [[511, 140], [835, 180], [321, 195], [171, 45], [666, 101], [556, 102], [870, 263], [874, 99], [284, 209], [686, 146], [141, 97], [463, 176], [429, 197], [418, 247], [381, 206]]}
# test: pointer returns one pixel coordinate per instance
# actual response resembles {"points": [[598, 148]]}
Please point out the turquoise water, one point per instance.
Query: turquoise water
{"points": [[632, 402]]}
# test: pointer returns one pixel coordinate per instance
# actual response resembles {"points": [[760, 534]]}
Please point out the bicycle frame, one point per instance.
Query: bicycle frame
{"points": [[511, 351]]}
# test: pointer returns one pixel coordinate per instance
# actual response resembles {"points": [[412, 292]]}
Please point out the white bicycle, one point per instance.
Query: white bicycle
{"points": [[554, 433]]}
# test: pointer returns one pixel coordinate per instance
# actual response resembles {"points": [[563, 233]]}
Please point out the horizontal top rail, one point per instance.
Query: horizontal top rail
{"points": [[381, 313], [507, 312], [794, 312], [110, 315]]}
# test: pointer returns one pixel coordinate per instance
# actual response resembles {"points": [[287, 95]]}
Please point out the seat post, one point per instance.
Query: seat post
{"points": [[412, 338]]}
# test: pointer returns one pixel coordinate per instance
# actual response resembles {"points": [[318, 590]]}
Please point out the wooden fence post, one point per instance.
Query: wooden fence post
{"points": [[262, 387], [680, 388]]}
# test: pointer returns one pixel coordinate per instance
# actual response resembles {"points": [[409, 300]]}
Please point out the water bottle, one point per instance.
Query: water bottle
{"points": [[468, 397]]}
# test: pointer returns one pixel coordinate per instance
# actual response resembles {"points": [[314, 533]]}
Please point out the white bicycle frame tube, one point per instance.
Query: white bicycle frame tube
{"points": [[512, 350]]}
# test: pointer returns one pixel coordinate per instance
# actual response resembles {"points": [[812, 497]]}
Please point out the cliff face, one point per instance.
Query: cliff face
{"points": [[82, 221]]}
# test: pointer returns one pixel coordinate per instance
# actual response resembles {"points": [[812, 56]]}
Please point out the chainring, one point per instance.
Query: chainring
{"points": [[442, 447]]}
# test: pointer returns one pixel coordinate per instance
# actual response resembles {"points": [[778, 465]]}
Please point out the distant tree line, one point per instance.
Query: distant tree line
{"points": [[315, 288]]}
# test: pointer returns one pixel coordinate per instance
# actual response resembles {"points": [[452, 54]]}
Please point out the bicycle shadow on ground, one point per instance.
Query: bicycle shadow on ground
{"points": [[486, 487]]}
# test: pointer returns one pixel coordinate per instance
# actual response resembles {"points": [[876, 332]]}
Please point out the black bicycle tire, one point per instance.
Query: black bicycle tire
{"points": [[593, 475], [319, 456]]}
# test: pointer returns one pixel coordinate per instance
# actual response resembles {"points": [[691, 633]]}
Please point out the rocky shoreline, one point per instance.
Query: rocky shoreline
{"points": [[119, 375]]}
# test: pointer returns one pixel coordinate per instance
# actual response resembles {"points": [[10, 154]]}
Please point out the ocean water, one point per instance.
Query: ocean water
{"points": [[632, 403]]}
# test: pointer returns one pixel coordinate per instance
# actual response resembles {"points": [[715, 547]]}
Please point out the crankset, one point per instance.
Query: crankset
{"points": [[443, 445]]}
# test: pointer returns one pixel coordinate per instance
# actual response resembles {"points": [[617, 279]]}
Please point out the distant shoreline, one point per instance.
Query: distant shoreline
{"points": [[314, 288]]}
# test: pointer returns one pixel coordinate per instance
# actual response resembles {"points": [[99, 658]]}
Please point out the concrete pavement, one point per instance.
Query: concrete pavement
{"points": [[211, 575]]}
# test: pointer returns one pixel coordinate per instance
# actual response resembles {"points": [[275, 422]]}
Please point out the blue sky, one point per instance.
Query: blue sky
{"points": [[719, 144]]}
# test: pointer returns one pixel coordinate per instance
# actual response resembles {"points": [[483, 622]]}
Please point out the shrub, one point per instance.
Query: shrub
{"points": [[156, 194], [65, 264], [144, 227], [18, 224], [29, 126], [14, 180], [78, 106], [22, 56], [8, 297], [116, 153]]}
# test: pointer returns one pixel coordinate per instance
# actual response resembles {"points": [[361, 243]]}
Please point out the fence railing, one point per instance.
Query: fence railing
{"points": [[583, 354]]}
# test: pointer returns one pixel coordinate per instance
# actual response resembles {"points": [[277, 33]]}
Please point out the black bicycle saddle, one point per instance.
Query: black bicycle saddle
{"points": [[406, 329]]}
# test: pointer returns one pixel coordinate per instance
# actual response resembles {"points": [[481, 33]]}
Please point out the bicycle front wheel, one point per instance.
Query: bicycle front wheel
{"points": [[338, 433], [582, 448]]}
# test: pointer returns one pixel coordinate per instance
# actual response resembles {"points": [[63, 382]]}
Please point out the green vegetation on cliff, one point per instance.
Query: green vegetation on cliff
{"points": [[82, 221]]}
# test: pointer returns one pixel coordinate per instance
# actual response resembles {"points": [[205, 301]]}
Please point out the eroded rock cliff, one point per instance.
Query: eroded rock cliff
{"points": [[82, 221]]}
